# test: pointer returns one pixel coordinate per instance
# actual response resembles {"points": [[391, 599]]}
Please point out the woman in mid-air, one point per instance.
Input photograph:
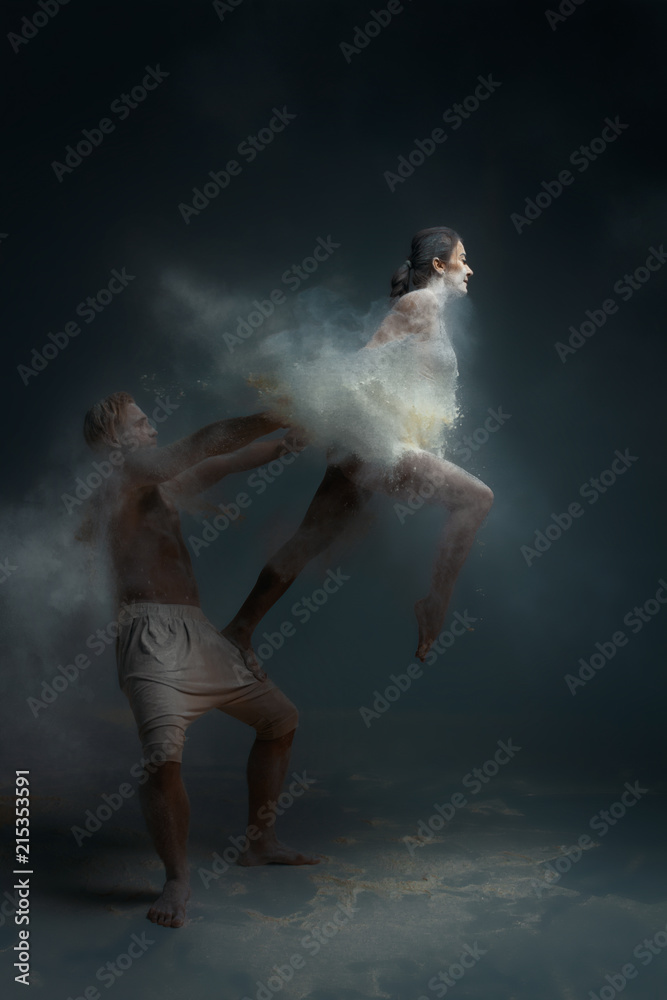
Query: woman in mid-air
{"points": [[384, 419]]}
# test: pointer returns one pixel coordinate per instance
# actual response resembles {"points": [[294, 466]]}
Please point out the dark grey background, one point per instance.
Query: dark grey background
{"points": [[324, 176]]}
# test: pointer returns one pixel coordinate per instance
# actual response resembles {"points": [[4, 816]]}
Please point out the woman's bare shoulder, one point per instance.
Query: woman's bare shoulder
{"points": [[413, 314], [420, 300]]}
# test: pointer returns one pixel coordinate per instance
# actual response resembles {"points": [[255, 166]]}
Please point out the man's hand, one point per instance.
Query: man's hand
{"points": [[295, 439]]}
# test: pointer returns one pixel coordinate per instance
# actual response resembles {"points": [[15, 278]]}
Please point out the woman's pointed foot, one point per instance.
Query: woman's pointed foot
{"points": [[429, 620]]}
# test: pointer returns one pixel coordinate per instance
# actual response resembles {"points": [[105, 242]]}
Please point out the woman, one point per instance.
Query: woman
{"points": [[387, 437]]}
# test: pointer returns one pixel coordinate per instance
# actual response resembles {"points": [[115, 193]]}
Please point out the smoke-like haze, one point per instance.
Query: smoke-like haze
{"points": [[57, 593], [309, 363]]}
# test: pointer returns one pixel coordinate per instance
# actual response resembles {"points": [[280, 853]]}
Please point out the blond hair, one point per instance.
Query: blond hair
{"points": [[101, 420]]}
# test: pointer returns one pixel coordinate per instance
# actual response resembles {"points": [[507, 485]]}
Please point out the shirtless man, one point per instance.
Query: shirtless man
{"points": [[173, 664]]}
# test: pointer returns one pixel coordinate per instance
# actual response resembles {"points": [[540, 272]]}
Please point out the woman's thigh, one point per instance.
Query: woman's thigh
{"points": [[435, 479]]}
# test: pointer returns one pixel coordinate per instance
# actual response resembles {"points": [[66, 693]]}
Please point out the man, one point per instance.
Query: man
{"points": [[173, 664]]}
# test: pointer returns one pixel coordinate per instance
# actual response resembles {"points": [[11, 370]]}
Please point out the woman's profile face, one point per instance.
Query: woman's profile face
{"points": [[457, 271]]}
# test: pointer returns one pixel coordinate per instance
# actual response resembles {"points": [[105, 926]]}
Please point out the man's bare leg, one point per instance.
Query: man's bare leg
{"points": [[166, 810], [468, 501], [267, 766], [333, 507]]}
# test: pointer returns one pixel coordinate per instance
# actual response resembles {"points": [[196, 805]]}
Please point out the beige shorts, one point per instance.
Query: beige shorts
{"points": [[174, 666]]}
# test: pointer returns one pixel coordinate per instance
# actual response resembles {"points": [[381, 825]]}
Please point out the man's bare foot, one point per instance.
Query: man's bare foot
{"points": [[429, 620], [244, 645], [169, 909], [275, 853]]}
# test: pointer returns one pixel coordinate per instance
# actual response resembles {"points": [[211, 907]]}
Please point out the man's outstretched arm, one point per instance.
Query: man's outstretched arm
{"points": [[202, 476], [150, 466]]}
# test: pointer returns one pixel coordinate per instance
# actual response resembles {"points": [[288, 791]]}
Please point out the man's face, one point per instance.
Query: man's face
{"points": [[135, 430], [457, 271]]}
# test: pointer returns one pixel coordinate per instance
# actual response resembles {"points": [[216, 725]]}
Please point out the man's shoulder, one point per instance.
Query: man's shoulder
{"points": [[121, 493]]}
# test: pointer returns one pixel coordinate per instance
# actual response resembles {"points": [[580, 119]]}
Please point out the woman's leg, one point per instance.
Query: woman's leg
{"points": [[468, 501], [332, 509]]}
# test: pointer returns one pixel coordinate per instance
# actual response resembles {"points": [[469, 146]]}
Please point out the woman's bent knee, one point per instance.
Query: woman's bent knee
{"points": [[484, 499], [476, 500]]}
